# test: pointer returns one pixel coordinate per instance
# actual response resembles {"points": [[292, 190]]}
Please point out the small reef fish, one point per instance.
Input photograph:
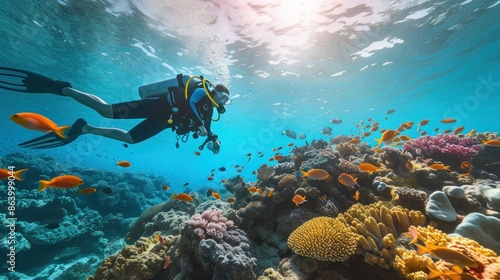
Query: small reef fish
{"points": [[316, 174], [210, 191], [448, 120], [448, 255], [408, 166], [289, 144], [216, 195], [471, 133], [458, 130], [467, 166], [87, 191], [182, 197], [60, 182], [298, 199], [446, 131], [253, 189], [413, 234], [270, 193], [290, 133], [494, 142], [326, 130], [423, 122], [231, 200], [196, 153], [439, 166], [302, 136], [386, 136], [356, 196], [123, 163], [404, 138], [18, 175], [354, 141], [222, 169], [277, 158], [185, 184], [390, 111], [38, 122], [166, 188], [335, 121], [368, 167], [347, 180]]}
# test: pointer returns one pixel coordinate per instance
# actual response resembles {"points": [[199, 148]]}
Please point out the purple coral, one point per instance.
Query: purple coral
{"points": [[210, 224], [444, 147]]}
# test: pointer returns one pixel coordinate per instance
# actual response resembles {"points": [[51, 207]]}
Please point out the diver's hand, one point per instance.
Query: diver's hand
{"points": [[214, 146], [202, 131]]}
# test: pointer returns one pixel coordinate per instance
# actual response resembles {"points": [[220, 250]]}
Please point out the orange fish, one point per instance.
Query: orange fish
{"points": [[61, 182], [423, 122], [354, 141], [38, 122], [253, 189], [210, 178], [458, 130], [261, 192], [404, 138], [222, 181], [290, 144], [386, 136], [298, 199], [423, 133], [368, 167], [316, 174], [439, 166], [347, 180], [197, 153], [87, 191], [471, 133], [448, 255], [374, 128], [231, 200], [123, 163], [182, 197], [446, 131], [366, 134], [494, 142], [18, 175], [448, 120], [466, 166], [166, 188], [216, 195], [270, 193], [356, 196]]}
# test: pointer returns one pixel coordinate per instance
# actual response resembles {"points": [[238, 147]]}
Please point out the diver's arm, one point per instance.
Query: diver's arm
{"points": [[197, 95]]}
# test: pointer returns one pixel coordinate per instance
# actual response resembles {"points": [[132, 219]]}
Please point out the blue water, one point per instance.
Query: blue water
{"points": [[289, 65]]}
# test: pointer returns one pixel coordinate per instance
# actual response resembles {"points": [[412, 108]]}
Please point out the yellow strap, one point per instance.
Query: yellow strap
{"points": [[204, 83]]}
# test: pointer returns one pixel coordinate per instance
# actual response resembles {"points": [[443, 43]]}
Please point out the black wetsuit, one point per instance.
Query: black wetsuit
{"points": [[157, 111]]}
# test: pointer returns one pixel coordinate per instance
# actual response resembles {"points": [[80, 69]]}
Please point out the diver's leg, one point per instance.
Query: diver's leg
{"points": [[109, 132], [91, 101], [144, 130]]}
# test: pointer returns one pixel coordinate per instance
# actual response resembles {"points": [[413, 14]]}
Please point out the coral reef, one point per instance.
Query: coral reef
{"points": [[447, 148], [323, 238]]}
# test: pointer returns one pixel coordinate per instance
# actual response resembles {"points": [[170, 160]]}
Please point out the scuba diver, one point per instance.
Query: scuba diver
{"points": [[184, 104]]}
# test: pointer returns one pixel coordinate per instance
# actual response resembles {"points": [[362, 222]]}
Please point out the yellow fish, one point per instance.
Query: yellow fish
{"points": [[448, 255]]}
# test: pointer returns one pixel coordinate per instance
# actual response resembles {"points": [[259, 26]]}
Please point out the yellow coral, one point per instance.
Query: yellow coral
{"points": [[379, 224], [324, 239]]}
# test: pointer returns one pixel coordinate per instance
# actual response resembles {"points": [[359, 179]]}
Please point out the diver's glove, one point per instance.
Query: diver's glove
{"points": [[214, 146]]}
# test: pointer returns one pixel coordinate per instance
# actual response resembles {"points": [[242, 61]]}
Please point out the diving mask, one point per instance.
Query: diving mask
{"points": [[221, 98]]}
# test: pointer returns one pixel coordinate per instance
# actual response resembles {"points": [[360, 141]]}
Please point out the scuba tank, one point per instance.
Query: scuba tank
{"points": [[162, 88]]}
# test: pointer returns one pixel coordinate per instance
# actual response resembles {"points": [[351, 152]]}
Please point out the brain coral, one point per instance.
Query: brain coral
{"points": [[324, 239]]}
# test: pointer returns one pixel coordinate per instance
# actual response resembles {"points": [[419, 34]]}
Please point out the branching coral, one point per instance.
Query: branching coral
{"points": [[210, 224], [325, 239], [346, 150], [447, 148]]}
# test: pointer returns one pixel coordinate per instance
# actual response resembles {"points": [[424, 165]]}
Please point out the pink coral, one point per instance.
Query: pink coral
{"points": [[210, 224], [444, 147]]}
